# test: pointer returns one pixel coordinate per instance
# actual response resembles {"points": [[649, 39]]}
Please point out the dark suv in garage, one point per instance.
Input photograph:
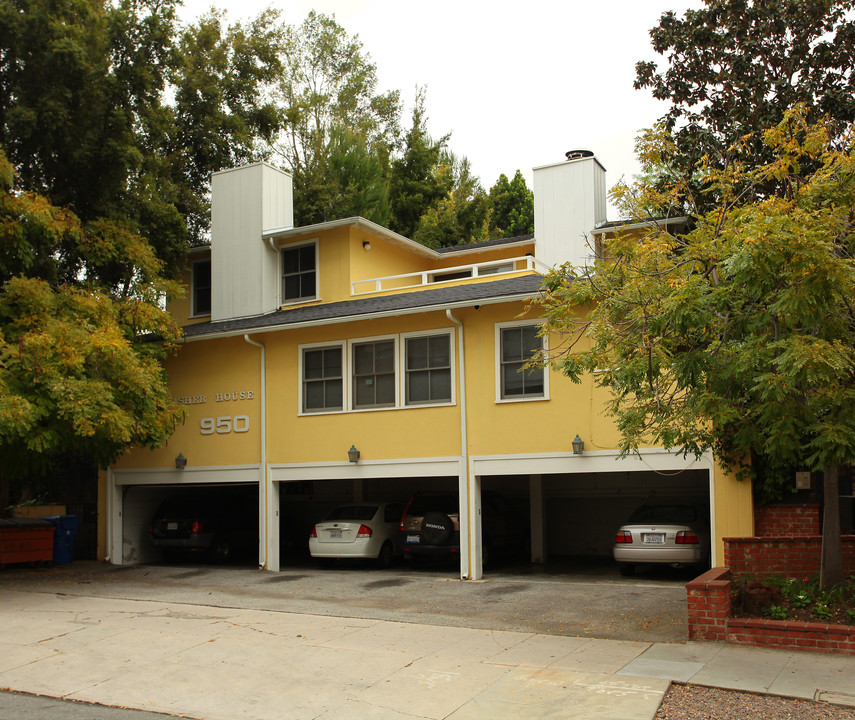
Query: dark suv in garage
{"points": [[219, 524], [430, 526]]}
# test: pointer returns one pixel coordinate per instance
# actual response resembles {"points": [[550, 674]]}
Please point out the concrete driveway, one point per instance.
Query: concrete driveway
{"points": [[571, 599]]}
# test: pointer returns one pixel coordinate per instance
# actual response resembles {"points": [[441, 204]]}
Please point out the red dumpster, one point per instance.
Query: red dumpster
{"points": [[25, 540]]}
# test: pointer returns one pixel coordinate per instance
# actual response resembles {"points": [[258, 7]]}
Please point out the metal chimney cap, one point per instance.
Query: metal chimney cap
{"points": [[577, 154]]}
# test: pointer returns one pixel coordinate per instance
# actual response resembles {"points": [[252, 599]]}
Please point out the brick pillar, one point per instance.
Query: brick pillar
{"points": [[708, 603]]}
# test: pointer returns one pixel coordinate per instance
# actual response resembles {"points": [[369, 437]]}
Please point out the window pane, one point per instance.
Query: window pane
{"points": [[364, 392], [290, 261], [385, 390], [307, 257], [307, 284], [384, 356], [512, 380], [417, 350], [530, 341], [313, 364], [291, 287], [533, 381], [363, 359], [440, 385], [332, 390], [332, 362], [439, 351], [418, 386], [512, 345], [313, 395]]}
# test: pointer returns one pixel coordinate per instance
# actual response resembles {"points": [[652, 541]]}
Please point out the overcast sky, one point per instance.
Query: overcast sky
{"points": [[517, 83]]}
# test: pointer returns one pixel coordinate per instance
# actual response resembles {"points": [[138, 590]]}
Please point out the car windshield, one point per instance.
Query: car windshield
{"points": [[353, 512], [664, 514], [449, 504]]}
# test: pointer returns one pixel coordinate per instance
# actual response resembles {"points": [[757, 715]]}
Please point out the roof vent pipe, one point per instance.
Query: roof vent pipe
{"points": [[577, 154]]}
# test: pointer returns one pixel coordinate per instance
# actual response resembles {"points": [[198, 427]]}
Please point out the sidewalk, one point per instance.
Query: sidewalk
{"points": [[214, 663]]}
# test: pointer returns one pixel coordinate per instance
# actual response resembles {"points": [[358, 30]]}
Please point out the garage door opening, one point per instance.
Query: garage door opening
{"points": [[216, 523]]}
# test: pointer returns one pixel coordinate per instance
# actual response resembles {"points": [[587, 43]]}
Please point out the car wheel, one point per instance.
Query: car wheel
{"points": [[626, 569], [386, 555], [221, 550], [436, 528]]}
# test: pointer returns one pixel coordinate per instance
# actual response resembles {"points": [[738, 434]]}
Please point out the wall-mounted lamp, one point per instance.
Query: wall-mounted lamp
{"points": [[366, 245], [353, 454], [578, 445], [180, 462]]}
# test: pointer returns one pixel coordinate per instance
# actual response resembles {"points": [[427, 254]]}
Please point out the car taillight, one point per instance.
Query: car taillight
{"points": [[364, 531], [314, 533], [623, 536], [687, 537], [196, 528], [406, 510]]}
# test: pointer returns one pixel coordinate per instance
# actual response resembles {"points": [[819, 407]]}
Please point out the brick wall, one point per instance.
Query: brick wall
{"points": [[760, 557], [781, 520], [708, 604]]}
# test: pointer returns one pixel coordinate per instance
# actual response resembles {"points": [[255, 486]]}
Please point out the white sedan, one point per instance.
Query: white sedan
{"points": [[366, 530]]}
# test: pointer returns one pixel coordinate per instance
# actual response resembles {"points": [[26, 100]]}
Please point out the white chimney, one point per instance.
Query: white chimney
{"points": [[569, 202], [245, 202]]}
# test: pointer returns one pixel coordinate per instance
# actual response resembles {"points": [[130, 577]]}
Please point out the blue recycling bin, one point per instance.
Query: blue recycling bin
{"points": [[63, 539]]}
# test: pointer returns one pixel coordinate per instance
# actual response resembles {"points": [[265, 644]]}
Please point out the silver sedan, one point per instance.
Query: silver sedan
{"points": [[675, 535], [366, 530]]}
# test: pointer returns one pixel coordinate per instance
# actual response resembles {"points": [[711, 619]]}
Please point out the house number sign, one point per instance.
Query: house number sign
{"points": [[224, 424]]}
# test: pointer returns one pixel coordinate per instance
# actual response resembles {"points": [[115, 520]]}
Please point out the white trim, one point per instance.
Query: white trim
{"points": [[212, 474], [344, 470], [449, 332], [596, 461], [498, 362], [282, 302], [342, 346]]}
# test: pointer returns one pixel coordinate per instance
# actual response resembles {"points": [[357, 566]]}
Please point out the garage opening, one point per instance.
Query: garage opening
{"points": [[206, 523]]}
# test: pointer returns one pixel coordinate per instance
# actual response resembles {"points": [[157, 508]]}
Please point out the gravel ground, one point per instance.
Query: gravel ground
{"points": [[691, 702]]}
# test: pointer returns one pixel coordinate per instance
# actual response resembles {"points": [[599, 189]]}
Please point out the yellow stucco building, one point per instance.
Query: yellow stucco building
{"points": [[304, 342]]}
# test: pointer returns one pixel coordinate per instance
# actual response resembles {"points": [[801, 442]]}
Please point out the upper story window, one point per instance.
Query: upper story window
{"points": [[322, 379], [428, 369], [517, 344], [374, 374], [201, 283], [299, 273]]}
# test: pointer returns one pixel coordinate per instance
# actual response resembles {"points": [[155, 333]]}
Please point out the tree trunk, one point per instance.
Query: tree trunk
{"points": [[831, 565]]}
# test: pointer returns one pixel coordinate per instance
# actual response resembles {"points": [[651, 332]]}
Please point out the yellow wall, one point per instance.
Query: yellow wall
{"points": [[203, 377], [734, 508]]}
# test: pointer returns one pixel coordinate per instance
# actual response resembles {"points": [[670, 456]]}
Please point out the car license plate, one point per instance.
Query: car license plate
{"points": [[335, 534], [412, 538], [172, 526], [655, 538]]}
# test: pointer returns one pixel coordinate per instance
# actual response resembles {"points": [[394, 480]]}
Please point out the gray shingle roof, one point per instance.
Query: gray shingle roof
{"points": [[433, 299], [484, 244]]}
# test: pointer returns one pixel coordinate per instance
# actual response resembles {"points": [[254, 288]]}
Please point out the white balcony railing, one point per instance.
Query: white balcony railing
{"points": [[448, 274]]}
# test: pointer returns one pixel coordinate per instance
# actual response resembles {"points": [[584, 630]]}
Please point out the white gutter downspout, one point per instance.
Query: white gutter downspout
{"points": [[465, 571], [262, 490]]}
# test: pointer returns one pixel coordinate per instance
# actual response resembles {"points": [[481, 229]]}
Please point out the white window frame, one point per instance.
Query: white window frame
{"points": [[498, 363], [351, 366], [403, 366], [297, 301], [345, 384], [193, 312]]}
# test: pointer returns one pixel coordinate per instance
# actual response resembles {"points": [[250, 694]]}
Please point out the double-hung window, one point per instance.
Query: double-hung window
{"points": [[374, 374], [322, 379], [518, 344], [299, 273], [428, 369], [201, 283]]}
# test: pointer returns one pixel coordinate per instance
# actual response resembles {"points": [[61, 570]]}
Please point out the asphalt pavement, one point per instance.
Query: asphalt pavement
{"points": [[225, 643]]}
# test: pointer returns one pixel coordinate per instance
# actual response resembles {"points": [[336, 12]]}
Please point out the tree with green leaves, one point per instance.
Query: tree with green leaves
{"points": [[512, 206], [328, 86], [734, 66], [737, 338], [79, 374]]}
